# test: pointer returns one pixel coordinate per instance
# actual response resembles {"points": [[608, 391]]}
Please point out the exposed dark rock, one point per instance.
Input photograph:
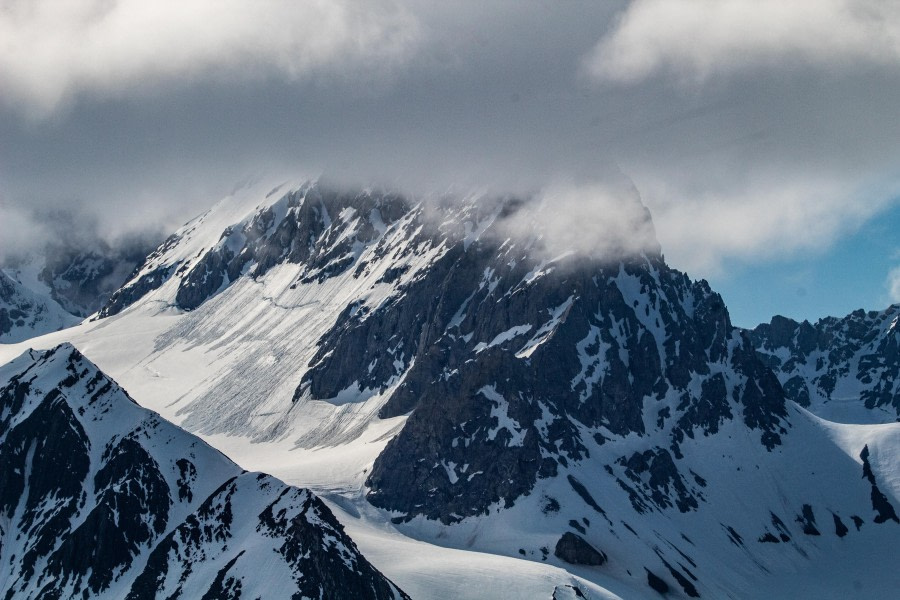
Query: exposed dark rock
{"points": [[734, 536], [585, 495], [225, 587], [664, 483], [51, 448], [187, 474], [575, 550], [779, 525], [567, 591], [134, 291], [146, 277], [807, 520], [203, 280], [656, 582], [840, 529], [319, 230], [318, 550], [710, 411], [551, 505], [762, 396], [880, 502], [576, 374], [132, 508], [577, 526], [682, 579]]}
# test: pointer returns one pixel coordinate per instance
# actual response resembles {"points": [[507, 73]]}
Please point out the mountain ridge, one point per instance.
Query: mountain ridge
{"points": [[837, 358], [104, 498], [487, 395]]}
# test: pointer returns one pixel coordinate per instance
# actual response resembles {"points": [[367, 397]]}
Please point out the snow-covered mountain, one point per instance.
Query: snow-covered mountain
{"points": [[101, 498], [574, 424], [847, 367], [26, 314], [79, 271]]}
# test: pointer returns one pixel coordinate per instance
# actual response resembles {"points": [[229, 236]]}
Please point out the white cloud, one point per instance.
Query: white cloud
{"points": [[52, 49], [893, 284], [18, 232], [788, 150], [757, 220], [770, 161], [603, 219], [697, 39]]}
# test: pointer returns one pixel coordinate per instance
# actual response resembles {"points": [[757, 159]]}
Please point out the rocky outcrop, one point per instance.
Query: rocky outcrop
{"points": [[835, 359], [145, 278], [134, 291], [319, 226], [573, 549], [880, 503]]}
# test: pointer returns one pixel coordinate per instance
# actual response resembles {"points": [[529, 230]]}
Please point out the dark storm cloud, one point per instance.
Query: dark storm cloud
{"points": [[767, 149]]}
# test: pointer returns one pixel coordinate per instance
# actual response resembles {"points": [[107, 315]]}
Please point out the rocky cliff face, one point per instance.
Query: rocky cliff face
{"points": [[515, 373], [849, 364], [321, 228], [101, 498]]}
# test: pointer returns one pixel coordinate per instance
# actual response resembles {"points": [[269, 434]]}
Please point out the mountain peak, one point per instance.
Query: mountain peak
{"points": [[102, 498]]}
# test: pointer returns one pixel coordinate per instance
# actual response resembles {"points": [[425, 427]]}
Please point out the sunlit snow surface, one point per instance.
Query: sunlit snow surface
{"points": [[229, 369]]}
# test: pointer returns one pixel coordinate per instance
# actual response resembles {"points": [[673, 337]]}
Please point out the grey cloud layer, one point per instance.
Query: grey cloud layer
{"points": [[770, 148], [699, 39], [53, 50]]}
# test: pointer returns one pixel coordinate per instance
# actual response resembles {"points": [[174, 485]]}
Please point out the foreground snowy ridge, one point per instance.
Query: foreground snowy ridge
{"points": [[101, 498]]}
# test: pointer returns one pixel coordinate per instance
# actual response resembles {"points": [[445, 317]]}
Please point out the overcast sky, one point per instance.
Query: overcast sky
{"points": [[762, 134]]}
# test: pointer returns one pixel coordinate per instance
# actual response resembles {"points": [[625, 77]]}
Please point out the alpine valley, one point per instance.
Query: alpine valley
{"points": [[433, 400]]}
